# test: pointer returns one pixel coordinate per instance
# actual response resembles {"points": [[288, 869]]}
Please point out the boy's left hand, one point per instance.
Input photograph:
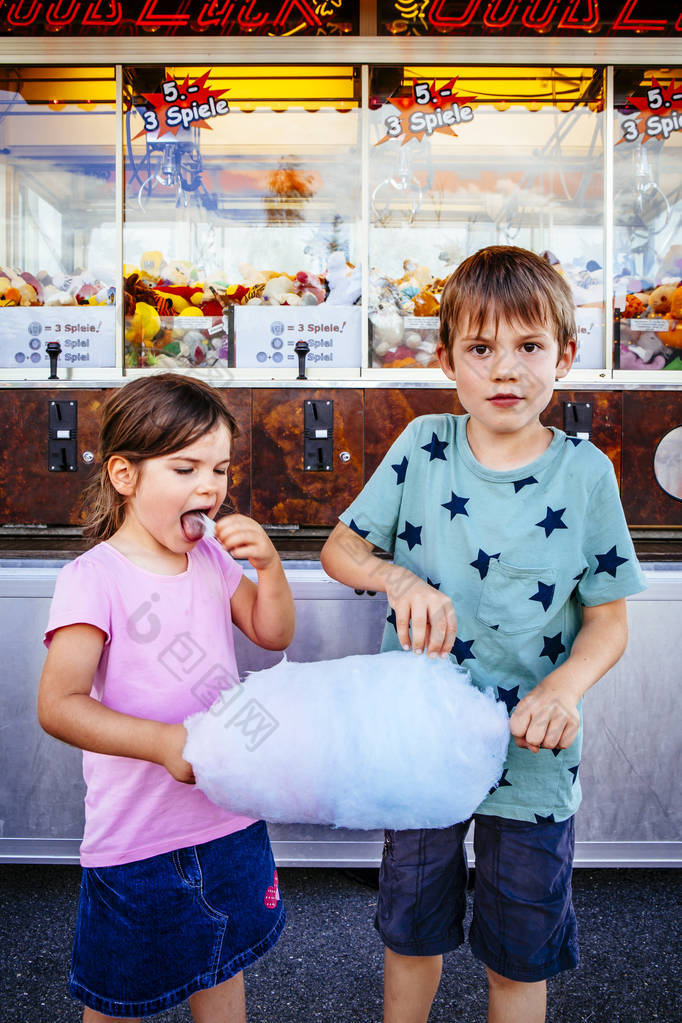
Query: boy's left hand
{"points": [[546, 718], [242, 537]]}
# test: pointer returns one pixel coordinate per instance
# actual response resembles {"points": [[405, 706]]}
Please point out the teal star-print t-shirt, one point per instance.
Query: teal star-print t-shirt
{"points": [[519, 552]]}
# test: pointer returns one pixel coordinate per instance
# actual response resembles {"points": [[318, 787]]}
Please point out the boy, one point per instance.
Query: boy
{"points": [[510, 553]]}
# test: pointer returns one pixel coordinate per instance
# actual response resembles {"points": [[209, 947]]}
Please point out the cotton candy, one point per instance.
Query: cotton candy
{"points": [[392, 740]]}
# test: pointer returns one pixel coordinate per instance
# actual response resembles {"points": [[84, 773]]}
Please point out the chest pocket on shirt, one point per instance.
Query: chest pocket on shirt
{"points": [[515, 600]]}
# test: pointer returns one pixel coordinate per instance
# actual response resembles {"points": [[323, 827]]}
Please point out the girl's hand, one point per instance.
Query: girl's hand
{"points": [[433, 619], [174, 739], [243, 538]]}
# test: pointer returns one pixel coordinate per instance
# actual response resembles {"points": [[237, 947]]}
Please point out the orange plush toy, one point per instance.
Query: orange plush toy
{"points": [[673, 336]]}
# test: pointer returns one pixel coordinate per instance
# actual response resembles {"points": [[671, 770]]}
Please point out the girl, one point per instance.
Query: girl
{"points": [[177, 896]]}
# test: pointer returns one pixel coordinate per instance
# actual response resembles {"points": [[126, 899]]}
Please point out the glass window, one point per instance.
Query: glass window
{"points": [[463, 157], [57, 234], [242, 216], [648, 218]]}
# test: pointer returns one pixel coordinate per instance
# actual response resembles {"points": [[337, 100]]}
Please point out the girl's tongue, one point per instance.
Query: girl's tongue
{"points": [[193, 527]]}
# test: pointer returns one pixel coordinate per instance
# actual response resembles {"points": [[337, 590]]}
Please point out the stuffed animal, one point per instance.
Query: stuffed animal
{"points": [[344, 281], [659, 300], [673, 336]]}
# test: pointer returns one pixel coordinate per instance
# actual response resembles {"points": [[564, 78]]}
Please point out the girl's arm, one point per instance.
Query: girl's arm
{"points": [[548, 716], [68, 712], [264, 612]]}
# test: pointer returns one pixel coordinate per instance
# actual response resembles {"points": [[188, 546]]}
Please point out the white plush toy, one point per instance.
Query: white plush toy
{"points": [[392, 740]]}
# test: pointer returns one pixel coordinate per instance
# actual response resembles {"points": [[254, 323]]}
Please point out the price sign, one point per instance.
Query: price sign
{"points": [[86, 333], [265, 337], [430, 109]]}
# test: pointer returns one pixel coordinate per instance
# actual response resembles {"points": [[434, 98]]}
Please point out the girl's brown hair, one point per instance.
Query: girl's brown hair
{"points": [[510, 283], [147, 418]]}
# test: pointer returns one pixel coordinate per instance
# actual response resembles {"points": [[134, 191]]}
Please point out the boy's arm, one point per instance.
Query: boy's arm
{"points": [[68, 712], [548, 716], [350, 559], [265, 612]]}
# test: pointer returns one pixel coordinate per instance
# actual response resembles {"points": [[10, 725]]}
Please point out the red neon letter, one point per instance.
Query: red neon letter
{"points": [[148, 19], [624, 23], [93, 17], [307, 12], [244, 16], [541, 23], [19, 20], [491, 19], [215, 13], [62, 20], [448, 24], [588, 22]]}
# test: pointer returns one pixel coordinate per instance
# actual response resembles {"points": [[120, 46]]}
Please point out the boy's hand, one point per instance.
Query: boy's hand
{"points": [[174, 739], [546, 718], [243, 538], [430, 612]]}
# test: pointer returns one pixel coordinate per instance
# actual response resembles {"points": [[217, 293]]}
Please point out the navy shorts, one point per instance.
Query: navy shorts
{"points": [[523, 926], [151, 933]]}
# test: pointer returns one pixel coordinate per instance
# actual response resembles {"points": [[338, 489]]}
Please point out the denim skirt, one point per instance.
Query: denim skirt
{"points": [[151, 933]]}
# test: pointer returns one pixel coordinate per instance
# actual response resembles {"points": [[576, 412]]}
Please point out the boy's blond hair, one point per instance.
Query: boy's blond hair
{"points": [[510, 283]]}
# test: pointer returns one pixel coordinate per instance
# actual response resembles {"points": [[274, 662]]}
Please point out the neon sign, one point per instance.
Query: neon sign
{"points": [[178, 17], [616, 18]]}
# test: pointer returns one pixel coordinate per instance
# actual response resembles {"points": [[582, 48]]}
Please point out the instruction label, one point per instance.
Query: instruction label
{"points": [[86, 333], [265, 337]]}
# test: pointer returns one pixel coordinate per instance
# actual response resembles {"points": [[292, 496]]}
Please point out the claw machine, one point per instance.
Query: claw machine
{"points": [[271, 194]]}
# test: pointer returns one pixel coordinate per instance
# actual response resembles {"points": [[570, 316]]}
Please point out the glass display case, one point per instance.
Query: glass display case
{"points": [[242, 217], [648, 218], [58, 259], [463, 157], [230, 218]]}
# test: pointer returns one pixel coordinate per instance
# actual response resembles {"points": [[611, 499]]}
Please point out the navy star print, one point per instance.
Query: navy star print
{"points": [[552, 521], [400, 470], [574, 772], [502, 782], [609, 562], [390, 618], [553, 647], [456, 505], [482, 562], [412, 535], [544, 820], [462, 650], [545, 595], [520, 484], [356, 529], [510, 697], [436, 448], [430, 582]]}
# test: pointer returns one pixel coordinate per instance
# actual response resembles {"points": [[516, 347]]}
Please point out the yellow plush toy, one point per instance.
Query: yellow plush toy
{"points": [[143, 325], [673, 336]]}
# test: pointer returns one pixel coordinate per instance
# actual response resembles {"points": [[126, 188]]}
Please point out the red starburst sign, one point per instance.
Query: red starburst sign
{"points": [[182, 105], [660, 113], [427, 111]]}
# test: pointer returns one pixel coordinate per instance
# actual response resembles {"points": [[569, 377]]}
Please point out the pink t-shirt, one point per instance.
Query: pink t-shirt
{"points": [[169, 649]]}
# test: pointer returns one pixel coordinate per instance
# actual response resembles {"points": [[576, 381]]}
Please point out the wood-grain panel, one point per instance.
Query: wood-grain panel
{"points": [[388, 411], [238, 400], [282, 492], [647, 417], [607, 420], [29, 493]]}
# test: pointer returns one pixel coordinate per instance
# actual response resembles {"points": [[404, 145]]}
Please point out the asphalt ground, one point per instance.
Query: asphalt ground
{"points": [[328, 964]]}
